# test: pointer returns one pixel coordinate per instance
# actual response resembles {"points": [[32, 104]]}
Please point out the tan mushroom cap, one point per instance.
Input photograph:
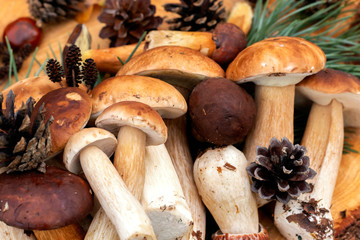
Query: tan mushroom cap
{"points": [[278, 61], [161, 96], [71, 109], [176, 65], [331, 84], [137, 115], [98, 137], [34, 87]]}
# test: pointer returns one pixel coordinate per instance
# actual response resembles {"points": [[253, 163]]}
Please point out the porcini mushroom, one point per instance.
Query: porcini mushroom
{"points": [[224, 186], [183, 68], [11, 233], [331, 92], [221, 112], [275, 65], [92, 148], [41, 201], [163, 198]]}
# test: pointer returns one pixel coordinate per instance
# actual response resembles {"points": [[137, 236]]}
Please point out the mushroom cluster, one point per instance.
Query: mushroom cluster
{"points": [[192, 121]]}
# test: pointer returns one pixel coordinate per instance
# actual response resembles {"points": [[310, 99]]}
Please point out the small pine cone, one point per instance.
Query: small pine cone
{"points": [[18, 62], [48, 11], [54, 70], [280, 171], [72, 69], [127, 20], [25, 51], [23, 147], [5, 58], [89, 73], [196, 15], [3, 48]]}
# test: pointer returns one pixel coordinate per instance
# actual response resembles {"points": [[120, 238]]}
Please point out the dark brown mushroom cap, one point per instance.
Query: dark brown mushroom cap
{"points": [[261, 235], [71, 109], [222, 112], [43, 201]]}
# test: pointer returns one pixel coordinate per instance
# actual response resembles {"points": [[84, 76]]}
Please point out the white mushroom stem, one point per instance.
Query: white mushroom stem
{"points": [[11, 233], [224, 186], [122, 208], [323, 139], [129, 158], [178, 148], [163, 198], [101, 228], [200, 41], [274, 118]]}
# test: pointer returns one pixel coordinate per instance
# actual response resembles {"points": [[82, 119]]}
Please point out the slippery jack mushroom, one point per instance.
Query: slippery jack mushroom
{"points": [[224, 186], [90, 149], [221, 112], [183, 68], [275, 65], [335, 95]]}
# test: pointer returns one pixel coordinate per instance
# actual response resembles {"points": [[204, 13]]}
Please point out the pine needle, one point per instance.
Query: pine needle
{"points": [[31, 63], [136, 47], [42, 68], [12, 64]]}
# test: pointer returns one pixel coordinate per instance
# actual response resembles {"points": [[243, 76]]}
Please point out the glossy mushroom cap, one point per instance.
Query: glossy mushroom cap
{"points": [[71, 109], [137, 115], [34, 87], [176, 65], [278, 61], [330, 84], [41, 201], [161, 96], [98, 137], [222, 112]]}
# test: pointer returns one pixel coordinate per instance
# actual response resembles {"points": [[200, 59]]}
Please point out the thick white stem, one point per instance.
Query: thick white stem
{"points": [[101, 228], [323, 138], [12, 233], [178, 148], [122, 208], [163, 198], [224, 186], [274, 118]]}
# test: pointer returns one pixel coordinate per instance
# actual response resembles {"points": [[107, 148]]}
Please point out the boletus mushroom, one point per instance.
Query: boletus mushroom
{"points": [[224, 186], [41, 201], [333, 93], [221, 112], [275, 65], [90, 149]]}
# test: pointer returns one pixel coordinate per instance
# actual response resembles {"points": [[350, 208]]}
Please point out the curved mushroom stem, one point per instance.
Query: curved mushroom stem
{"points": [[163, 198], [129, 158], [178, 148], [274, 118], [221, 178], [131, 222], [323, 139], [11, 233]]}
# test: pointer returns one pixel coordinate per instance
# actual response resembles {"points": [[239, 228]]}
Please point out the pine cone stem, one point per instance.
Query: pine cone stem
{"points": [[323, 138]]}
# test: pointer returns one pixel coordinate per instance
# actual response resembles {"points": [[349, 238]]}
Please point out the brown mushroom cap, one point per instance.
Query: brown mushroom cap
{"points": [[222, 112], [261, 235], [41, 201], [137, 115], [176, 65], [278, 61], [161, 96], [71, 109], [34, 87], [330, 84], [101, 138]]}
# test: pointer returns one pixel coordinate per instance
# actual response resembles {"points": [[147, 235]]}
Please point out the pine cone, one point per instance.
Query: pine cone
{"points": [[89, 73], [196, 15], [72, 66], [48, 11], [54, 70], [22, 147], [127, 20], [280, 171]]}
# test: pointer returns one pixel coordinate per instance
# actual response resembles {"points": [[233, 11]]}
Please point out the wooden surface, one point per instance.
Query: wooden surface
{"points": [[347, 191]]}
